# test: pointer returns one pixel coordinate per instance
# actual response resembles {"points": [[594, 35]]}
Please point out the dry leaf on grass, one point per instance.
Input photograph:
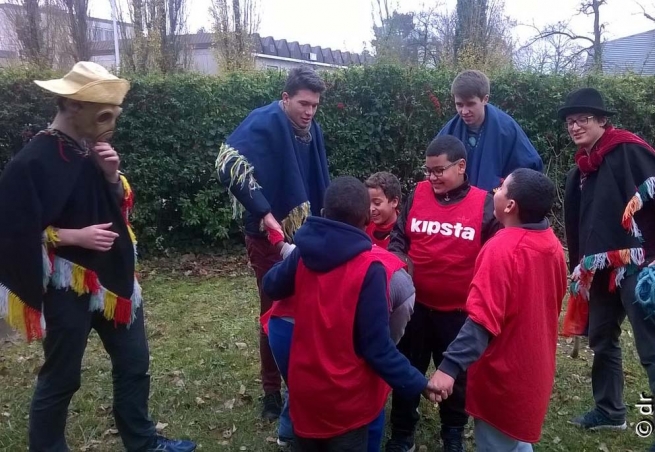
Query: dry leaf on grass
{"points": [[160, 427]]}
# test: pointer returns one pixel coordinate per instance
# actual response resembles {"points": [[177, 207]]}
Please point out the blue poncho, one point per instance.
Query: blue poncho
{"points": [[268, 169], [502, 147]]}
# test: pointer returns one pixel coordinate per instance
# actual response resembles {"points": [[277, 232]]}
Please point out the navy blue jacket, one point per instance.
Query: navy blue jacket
{"points": [[324, 245]]}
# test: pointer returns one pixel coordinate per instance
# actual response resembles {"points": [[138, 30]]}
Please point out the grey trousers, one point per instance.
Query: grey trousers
{"points": [[489, 439], [606, 314]]}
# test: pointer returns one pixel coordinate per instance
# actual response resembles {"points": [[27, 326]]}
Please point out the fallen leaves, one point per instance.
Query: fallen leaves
{"points": [[160, 427]]}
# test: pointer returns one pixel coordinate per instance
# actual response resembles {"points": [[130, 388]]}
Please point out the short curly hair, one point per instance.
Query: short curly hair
{"points": [[387, 182]]}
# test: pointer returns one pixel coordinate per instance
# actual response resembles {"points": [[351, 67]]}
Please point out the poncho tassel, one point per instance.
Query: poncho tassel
{"points": [[20, 316], [241, 172]]}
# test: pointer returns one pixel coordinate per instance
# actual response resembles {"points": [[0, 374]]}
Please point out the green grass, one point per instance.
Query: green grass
{"points": [[203, 342]]}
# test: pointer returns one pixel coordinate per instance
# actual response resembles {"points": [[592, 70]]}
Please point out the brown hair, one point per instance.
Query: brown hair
{"points": [[470, 84], [387, 182]]}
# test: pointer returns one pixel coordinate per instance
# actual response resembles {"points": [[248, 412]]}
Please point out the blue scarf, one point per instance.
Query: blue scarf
{"points": [[291, 172], [501, 147]]}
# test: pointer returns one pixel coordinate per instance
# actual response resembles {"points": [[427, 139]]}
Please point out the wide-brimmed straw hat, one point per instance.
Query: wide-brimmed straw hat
{"points": [[88, 82], [584, 100]]}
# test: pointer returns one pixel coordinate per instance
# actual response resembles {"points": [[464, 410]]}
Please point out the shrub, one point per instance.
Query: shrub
{"points": [[373, 118]]}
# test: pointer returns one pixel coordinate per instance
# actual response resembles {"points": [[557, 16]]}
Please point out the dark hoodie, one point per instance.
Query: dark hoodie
{"points": [[324, 245]]}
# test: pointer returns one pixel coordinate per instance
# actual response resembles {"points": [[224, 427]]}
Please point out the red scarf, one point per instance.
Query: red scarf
{"points": [[589, 163]]}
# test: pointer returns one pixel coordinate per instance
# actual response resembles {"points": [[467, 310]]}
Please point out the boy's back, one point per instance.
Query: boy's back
{"points": [[517, 292]]}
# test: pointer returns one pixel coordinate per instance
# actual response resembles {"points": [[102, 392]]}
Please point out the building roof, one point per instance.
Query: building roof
{"points": [[267, 46], [635, 53]]}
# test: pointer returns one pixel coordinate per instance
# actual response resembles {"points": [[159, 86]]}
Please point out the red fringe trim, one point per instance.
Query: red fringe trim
{"points": [[33, 329], [61, 152], [615, 259], [123, 312], [613, 281], [91, 281]]}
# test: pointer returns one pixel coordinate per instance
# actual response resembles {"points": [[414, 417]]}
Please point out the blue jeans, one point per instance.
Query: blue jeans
{"points": [[279, 338], [488, 439], [280, 332]]}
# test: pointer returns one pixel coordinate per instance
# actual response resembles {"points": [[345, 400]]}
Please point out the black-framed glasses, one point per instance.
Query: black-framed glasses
{"points": [[580, 121], [438, 172]]}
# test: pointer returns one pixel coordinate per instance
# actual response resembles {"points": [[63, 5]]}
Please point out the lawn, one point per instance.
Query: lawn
{"points": [[203, 340]]}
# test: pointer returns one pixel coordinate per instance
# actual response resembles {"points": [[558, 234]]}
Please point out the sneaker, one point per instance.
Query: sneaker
{"points": [[272, 406], [171, 445], [285, 442], [400, 443], [595, 420], [453, 439]]}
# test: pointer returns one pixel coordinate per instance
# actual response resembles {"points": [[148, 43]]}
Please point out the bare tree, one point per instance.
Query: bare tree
{"points": [[648, 15], [396, 37], [78, 26], [157, 41], [554, 54], [30, 29], [235, 23], [594, 42]]}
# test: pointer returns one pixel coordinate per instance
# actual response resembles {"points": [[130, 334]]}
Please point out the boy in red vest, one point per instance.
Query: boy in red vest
{"points": [[441, 230], [510, 337], [342, 358], [384, 191]]}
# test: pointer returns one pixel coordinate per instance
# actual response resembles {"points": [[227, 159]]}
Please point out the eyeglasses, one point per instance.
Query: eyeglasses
{"points": [[438, 172], [580, 122]]}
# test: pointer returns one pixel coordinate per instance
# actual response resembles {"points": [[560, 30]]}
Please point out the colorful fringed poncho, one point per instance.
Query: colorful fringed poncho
{"points": [[269, 169], [608, 217], [54, 184]]}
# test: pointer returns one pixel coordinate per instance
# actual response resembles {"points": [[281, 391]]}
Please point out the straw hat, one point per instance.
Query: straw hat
{"points": [[88, 82]]}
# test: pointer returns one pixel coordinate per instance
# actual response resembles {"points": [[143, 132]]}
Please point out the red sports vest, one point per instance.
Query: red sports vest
{"points": [[444, 242], [285, 308], [333, 391]]}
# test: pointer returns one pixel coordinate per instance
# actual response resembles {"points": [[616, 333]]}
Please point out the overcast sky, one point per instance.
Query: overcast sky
{"points": [[346, 24]]}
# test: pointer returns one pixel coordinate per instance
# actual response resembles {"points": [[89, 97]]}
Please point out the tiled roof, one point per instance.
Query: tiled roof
{"points": [[267, 46], [634, 53]]}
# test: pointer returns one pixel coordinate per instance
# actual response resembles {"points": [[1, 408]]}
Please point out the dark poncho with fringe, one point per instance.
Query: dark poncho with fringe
{"points": [[53, 183], [608, 217]]}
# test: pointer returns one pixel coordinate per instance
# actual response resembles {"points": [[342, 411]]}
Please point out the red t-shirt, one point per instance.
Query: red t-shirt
{"points": [[380, 235], [516, 295], [444, 242]]}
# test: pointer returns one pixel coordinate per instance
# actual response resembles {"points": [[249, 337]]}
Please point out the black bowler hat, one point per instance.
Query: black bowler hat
{"points": [[584, 100]]}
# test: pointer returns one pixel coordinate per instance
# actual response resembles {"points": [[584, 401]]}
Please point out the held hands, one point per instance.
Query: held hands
{"points": [[271, 223], [108, 161], [440, 387]]}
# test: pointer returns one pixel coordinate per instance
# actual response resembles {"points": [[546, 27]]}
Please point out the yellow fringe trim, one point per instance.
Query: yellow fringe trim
{"points": [[625, 256], [295, 219], [126, 185], [110, 305], [51, 236], [77, 280], [16, 313]]}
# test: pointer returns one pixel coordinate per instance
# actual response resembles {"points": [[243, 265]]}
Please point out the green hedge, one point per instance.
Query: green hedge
{"points": [[373, 118]]}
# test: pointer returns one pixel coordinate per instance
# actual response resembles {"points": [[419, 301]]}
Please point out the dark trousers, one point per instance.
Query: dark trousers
{"points": [[68, 324], [427, 336], [263, 256], [607, 311], [353, 441]]}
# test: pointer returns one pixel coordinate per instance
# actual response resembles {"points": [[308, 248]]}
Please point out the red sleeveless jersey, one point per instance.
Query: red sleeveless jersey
{"points": [[333, 390], [285, 308], [444, 244]]}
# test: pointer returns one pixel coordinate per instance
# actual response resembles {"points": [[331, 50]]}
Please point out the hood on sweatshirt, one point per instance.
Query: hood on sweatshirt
{"points": [[326, 244]]}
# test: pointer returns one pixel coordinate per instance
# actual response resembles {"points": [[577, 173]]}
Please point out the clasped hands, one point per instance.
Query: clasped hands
{"points": [[439, 387]]}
